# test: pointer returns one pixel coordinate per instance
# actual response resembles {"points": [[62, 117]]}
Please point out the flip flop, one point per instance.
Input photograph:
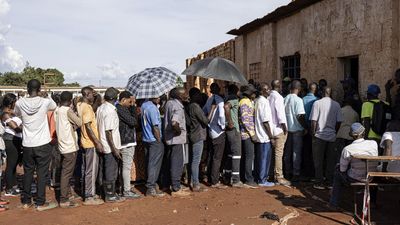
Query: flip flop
{"points": [[4, 202]]}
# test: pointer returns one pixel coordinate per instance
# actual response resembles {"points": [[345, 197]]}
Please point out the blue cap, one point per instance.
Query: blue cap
{"points": [[373, 89], [357, 129]]}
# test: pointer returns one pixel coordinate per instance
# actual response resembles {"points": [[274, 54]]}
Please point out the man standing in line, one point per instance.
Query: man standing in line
{"points": [[108, 122], [91, 147], [36, 143], [279, 130], [247, 132], [216, 133], [151, 125], [67, 139], [176, 137], [326, 117], [264, 137], [295, 116], [127, 124], [233, 134]]}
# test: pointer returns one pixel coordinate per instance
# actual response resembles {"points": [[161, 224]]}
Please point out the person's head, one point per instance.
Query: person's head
{"points": [[326, 91], [88, 94], [265, 89], [111, 95], [178, 93], [397, 76], [215, 89], [195, 95], [155, 101], [56, 98], [33, 87], [9, 100], [304, 84], [312, 88], [233, 89], [248, 91], [348, 101], [348, 84], [322, 83], [373, 91], [295, 87], [66, 98], [276, 85], [357, 131], [125, 99]]}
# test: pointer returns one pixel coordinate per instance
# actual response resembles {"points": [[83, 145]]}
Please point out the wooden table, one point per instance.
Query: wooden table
{"points": [[372, 174]]}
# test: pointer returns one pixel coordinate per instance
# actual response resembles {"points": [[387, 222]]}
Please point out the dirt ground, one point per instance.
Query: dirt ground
{"points": [[229, 206]]}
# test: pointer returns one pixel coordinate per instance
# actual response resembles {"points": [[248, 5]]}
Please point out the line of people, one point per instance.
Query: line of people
{"points": [[252, 137]]}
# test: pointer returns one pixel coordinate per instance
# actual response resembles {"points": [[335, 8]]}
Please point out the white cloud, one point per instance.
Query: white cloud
{"points": [[10, 59], [112, 70]]}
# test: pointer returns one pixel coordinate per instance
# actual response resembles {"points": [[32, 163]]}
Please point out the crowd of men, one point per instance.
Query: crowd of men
{"points": [[258, 135]]}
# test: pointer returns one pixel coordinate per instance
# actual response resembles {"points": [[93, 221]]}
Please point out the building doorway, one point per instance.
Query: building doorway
{"points": [[350, 66]]}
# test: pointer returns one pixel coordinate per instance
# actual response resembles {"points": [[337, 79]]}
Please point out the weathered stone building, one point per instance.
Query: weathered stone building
{"points": [[316, 39]]}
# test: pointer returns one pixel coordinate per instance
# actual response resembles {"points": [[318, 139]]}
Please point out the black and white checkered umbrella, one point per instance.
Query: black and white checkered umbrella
{"points": [[152, 82]]}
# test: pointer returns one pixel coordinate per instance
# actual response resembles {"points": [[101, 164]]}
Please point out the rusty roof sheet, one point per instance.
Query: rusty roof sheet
{"points": [[279, 13]]}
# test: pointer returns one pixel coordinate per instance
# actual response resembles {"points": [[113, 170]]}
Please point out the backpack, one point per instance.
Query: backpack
{"points": [[380, 117]]}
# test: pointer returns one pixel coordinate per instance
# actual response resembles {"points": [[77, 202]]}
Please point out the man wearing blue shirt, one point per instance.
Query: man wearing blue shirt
{"points": [[151, 124], [295, 112]]}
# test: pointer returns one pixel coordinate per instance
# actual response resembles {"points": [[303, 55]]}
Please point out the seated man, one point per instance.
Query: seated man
{"points": [[353, 170], [391, 144]]}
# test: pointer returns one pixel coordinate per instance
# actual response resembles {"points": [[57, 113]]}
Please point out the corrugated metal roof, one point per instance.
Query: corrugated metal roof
{"points": [[279, 13]]}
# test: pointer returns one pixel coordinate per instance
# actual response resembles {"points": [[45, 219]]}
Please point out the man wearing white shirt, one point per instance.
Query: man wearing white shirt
{"points": [[279, 130], [108, 124], [264, 136]]}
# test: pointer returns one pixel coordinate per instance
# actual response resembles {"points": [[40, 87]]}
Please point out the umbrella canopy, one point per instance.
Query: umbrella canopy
{"points": [[217, 68], [152, 82]]}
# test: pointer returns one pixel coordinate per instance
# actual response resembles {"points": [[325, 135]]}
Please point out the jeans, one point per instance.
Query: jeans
{"points": [[154, 155], [292, 153], [35, 158], [322, 149], [278, 150], [248, 160], [110, 168], [342, 180], [13, 151], [90, 170], [127, 161], [235, 149], [263, 161], [218, 148], [197, 151], [68, 162]]}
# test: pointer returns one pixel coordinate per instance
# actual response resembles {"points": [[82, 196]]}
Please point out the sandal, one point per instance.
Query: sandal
{"points": [[4, 202]]}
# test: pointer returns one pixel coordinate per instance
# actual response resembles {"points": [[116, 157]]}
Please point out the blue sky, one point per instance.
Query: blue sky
{"points": [[103, 40]]}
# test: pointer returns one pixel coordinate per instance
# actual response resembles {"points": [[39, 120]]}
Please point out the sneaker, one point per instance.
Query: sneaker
{"points": [[180, 193], [238, 184], [93, 201], [154, 193], [319, 186], [12, 193], [284, 182], [131, 195], [199, 188], [69, 205], [46, 206], [266, 184], [114, 199], [3, 208], [250, 185], [219, 186]]}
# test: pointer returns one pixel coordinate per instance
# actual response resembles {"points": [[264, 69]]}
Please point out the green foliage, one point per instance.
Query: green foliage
{"points": [[48, 77], [179, 82]]}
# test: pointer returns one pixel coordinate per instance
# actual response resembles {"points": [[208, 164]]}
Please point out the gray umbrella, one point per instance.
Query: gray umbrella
{"points": [[217, 68]]}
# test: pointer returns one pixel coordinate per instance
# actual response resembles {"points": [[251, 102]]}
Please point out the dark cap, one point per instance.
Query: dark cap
{"points": [[111, 94], [373, 89]]}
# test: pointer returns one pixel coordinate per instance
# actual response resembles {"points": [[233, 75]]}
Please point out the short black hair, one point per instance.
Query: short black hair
{"points": [[33, 85], [233, 89], [56, 98], [295, 85], [215, 89], [124, 94], [84, 90], [111, 94], [194, 91], [9, 99], [65, 96]]}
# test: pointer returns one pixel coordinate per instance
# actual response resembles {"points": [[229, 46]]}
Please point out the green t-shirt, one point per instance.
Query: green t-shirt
{"points": [[235, 113], [367, 112]]}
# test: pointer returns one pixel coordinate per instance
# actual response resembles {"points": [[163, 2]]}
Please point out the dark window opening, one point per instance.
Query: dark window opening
{"points": [[291, 66]]}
